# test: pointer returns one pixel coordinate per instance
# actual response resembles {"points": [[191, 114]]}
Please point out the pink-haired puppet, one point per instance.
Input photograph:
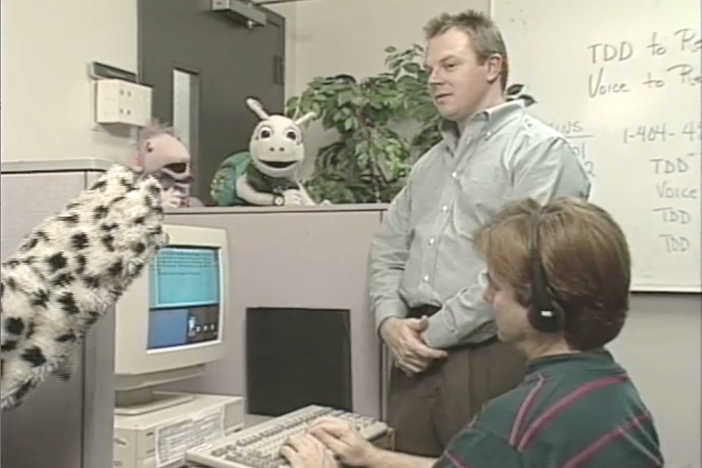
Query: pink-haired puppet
{"points": [[161, 153]]}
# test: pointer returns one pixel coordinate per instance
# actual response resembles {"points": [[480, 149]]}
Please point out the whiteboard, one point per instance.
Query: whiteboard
{"points": [[621, 79]]}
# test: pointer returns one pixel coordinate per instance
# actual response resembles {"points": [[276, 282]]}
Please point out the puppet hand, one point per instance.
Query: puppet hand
{"points": [[292, 197], [173, 198]]}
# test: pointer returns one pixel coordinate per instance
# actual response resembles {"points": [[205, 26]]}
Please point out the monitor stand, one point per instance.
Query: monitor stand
{"points": [[146, 400]]}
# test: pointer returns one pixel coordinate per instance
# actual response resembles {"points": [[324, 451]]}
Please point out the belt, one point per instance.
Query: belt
{"points": [[421, 311], [429, 310]]}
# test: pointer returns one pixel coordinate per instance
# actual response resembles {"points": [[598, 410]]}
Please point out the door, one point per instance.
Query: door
{"points": [[203, 66]]}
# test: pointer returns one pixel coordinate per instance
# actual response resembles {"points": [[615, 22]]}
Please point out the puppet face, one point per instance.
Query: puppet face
{"points": [[167, 156], [276, 147]]}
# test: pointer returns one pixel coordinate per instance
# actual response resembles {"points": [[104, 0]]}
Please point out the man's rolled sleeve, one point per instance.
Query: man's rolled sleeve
{"points": [[465, 315], [389, 254]]}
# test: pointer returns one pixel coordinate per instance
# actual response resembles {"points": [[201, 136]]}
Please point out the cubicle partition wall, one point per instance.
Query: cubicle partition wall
{"points": [[385, 366], [302, 262], [62, 424]]}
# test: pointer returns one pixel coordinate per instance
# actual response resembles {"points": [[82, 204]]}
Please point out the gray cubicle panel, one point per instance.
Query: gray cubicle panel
{"points": [[314, 257], [62, 424]]}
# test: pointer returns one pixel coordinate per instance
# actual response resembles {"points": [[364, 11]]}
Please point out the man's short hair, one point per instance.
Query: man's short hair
{"points": [[484, 34], [585, 256]]}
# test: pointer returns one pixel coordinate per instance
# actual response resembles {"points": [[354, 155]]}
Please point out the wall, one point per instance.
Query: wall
{"points": [[660, 347], [47, 104], [289, 12]]}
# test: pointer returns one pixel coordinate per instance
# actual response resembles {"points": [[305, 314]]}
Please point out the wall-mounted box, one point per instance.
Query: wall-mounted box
{"points": [[122, 102]]}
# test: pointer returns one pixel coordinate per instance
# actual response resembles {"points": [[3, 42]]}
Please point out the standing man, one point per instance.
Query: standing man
{"points": [[441, 334]]}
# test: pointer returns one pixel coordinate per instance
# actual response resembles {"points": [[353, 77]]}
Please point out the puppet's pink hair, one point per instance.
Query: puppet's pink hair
{"points": [[152, 130]]}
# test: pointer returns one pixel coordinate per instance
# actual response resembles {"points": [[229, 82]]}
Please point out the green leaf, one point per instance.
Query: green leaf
{"points": [[412, 68], [293, 102]]}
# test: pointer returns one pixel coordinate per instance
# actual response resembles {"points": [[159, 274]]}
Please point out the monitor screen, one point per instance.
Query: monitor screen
{"points": [[184, 297]]}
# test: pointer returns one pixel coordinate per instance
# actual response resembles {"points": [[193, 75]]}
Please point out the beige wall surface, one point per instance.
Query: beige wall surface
{"points": [[47, 97]]}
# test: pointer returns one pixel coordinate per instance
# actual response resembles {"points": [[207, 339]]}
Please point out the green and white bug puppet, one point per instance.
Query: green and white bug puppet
{"points": [[277, 153]]}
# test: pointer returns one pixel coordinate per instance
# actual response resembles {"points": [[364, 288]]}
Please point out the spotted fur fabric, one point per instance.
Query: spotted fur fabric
{"points": [[69, 271]]}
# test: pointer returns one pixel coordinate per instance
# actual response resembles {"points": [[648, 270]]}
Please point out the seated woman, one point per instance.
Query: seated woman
{"points": [[558, 280]]}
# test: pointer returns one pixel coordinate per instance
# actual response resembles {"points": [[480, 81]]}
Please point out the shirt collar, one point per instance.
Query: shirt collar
{"points": [[487, 121], [549, 364]]}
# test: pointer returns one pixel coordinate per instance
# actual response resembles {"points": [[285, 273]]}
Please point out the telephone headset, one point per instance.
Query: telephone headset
{"points": [[544, 315]]}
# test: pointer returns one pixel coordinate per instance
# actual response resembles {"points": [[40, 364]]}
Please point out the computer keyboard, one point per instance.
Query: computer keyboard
{"points": [[259, 446]]}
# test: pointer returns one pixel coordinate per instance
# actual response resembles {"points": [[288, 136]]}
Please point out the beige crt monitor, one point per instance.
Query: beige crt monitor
{"points": [[170, 322]]}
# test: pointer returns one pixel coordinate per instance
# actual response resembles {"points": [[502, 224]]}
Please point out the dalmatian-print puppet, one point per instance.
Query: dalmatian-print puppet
{"points": [[69, 271]]}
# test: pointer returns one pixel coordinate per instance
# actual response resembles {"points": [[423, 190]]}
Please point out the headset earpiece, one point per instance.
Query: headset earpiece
{"points": [[544, 315]]}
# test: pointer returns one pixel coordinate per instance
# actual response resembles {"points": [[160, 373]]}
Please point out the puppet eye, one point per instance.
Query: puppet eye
{"points": [[292, 135], [149, 147], [265, 133]]}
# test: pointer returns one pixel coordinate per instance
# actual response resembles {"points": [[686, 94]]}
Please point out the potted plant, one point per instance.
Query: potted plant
{"points": [[370, 159]]}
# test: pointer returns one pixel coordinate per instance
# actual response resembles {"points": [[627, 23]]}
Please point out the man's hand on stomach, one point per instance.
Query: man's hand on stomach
{"points": [[403, 337]]}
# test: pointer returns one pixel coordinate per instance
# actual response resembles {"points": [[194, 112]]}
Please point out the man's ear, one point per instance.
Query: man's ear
{"points": [[494, 67]]}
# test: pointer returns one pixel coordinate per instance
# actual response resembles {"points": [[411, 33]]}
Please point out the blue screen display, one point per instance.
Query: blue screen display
{"points": [[184, 297]]}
